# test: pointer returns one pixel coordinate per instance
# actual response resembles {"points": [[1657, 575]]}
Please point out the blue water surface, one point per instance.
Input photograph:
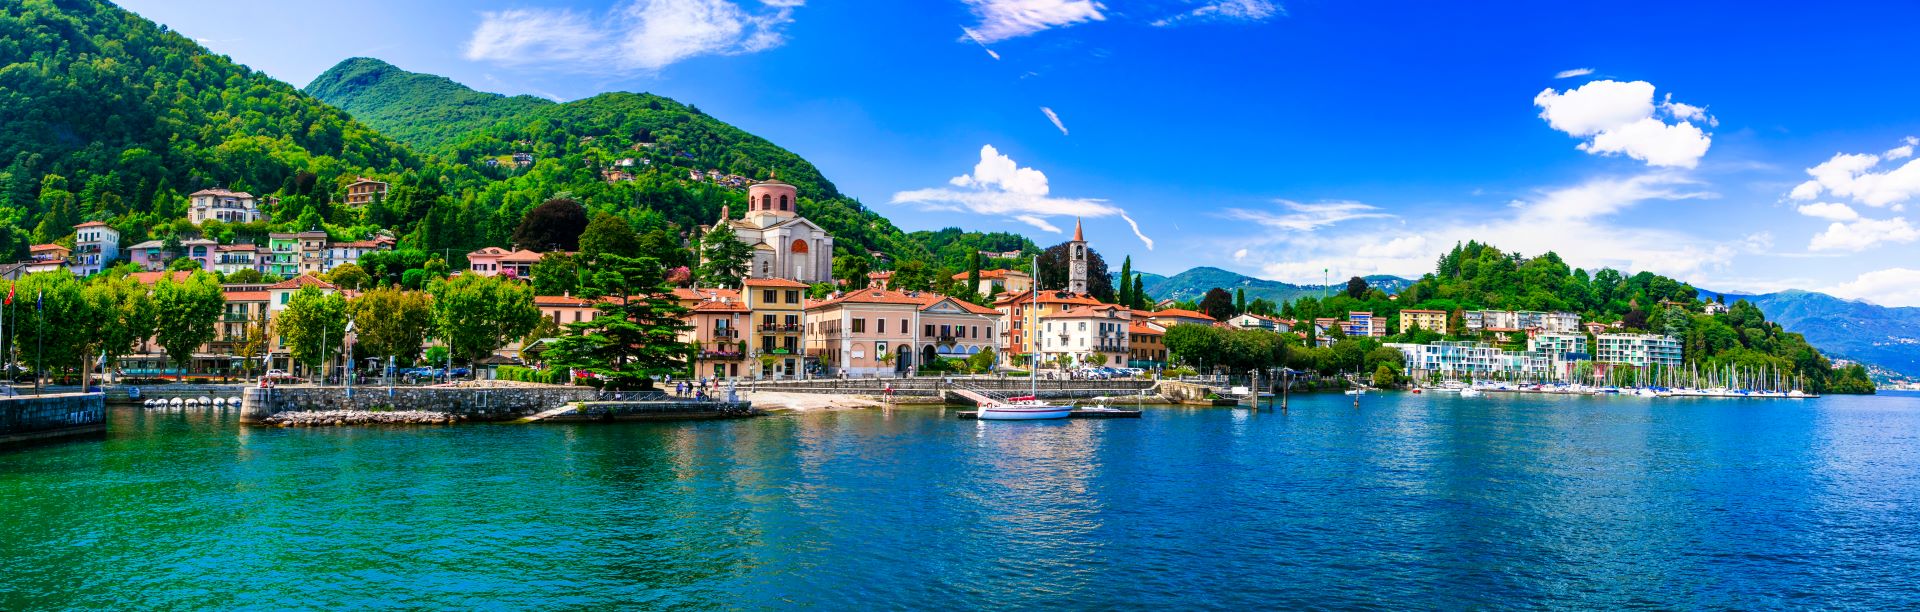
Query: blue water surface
{"points": [[1405, 502]]}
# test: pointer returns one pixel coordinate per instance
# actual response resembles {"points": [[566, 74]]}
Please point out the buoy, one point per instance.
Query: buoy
{"points": [[175, 402]]}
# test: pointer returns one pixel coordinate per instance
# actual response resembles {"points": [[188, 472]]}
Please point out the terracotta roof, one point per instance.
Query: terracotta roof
{"points": [[90, 224], [236, 247], [247, 296], [522, 256], [150, 244], [362, 180], [363, 244], [1180, 313], [558, 300], [989, 274], [929, 299], [713, 306], [489, 251], [1048, 297], [1424, 311], [1138, 327], [1077, 236], [302, 281], [691, 293], [46, 247], [1075, 312], [148, 278], [774, 282], [874, 296]]}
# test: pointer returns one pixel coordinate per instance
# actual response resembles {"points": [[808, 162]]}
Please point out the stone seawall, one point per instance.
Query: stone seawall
{"points": [[30, 418], [470, 403], [656, 411]]}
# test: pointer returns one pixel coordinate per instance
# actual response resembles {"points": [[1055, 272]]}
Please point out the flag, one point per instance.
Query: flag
{"points": [[10, 290], [39, 300]]}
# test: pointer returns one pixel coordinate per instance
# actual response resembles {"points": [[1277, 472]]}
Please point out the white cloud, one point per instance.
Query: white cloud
{"points": [[1889, 287], [1576, 72], [1301, 217], [1055, 119], [1620, 118], [1000, 187], [1852, 175], [1831, 211], [1225, 10], [1240, 255], [634, 35], [1572, 221], [1863, 234], [1004, 19]]}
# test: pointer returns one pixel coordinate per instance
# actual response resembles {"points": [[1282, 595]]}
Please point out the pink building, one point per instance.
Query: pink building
{"points": [[877, 331], [492, 261], [720, 319]]}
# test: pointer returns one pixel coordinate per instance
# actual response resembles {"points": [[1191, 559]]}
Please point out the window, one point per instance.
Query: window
{"points": [[766, 202], [883, 326], [793, 297], [793, 321], [929, 330], [1083, 326], [904, 328], [859, 326], [770, 296], [783, 202]]}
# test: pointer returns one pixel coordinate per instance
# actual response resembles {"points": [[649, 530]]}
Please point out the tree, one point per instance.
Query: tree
{"points": [[185, 314], [1195, 345], [390, 322], [1239, 300], [1054, 272], [973, 277], [313, 325], [349, 276], [1217, 304], [852, 269], [126, 314], [476, 315], [1140, 299], [723, 258], [981, 361], [184, 264], [608, 234], [1125, 293], [556, 274], [1357, 288], [637, 334], [245, 276], [55, 322], [1097, 359], [554, 225]]}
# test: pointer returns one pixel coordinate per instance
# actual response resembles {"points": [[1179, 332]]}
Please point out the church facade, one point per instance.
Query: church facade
{"points": [[785, 244]]}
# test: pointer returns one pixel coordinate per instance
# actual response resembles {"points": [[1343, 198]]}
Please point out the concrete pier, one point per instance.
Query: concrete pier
{"points": [[30, 418]]}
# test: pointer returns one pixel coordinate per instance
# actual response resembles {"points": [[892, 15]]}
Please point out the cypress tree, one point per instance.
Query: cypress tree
{"points": [[1126, 282]]}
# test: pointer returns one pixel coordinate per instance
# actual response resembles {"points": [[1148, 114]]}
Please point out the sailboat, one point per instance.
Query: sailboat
{"points": [[1027, 407]]}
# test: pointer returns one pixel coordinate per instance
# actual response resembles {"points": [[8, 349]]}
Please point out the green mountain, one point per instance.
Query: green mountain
{"points": [[425, 111], [1194, 283], [1879, 335], [109, 116]]}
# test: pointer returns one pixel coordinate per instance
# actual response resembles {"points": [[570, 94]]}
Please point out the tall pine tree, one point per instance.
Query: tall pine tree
{"points": [[1126, 283]]}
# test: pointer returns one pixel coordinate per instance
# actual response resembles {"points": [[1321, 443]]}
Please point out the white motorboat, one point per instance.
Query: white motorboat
{"points": [[1026, 408], [1360, 391], [1469, 392]]}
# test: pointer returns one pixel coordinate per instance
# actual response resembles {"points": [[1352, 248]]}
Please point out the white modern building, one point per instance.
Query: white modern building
{"points": [[1638, 350], [1081, 332], [1472, 360], [224, 205], [95, 247]]}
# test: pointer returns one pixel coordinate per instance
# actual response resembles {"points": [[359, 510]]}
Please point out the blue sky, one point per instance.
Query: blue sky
{"points": [[1738, 146]]}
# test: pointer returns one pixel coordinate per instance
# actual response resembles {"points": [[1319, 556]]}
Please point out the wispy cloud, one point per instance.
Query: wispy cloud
{"points": [[632, 36], [1576, 72], [1859, 177], [1055, 118], [1004, 19], [1302, 217], [1000, 187], [1225, 10]]}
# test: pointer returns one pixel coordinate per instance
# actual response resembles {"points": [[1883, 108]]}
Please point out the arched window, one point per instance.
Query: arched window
{"points": [[766, 202], [783, 202], [799, 247]]}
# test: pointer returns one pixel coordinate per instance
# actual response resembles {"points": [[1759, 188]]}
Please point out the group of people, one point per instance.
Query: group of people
{"points": [[700, 389]]}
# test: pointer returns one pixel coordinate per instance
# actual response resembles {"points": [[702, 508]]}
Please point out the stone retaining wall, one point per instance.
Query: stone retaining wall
{"points": [[678, 410], [36, 417], [472, 403]]}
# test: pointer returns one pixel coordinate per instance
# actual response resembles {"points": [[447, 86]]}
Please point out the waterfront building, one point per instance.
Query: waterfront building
{"points": [[282, 256], [1095, 335], [1178, 316], [96, 246], [1637, 350], [952, 328], [1249, 320], [231, 258], [1562, 350], [1470, 360], [565, 309], [363, 191], [1430, 320], [718, 318], [1146, 344], [864, 332], [1361, 324], [777, 309], [996, 282], [786, 245], [246, 308], [223, 205], [1020, 311]]}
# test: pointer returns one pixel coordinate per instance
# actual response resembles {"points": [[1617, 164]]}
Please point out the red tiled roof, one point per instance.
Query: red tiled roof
{"points": [[1180, 313], [558, 300], [1086, 311], [988, 274], [773, 282], [90, 224], [46, 247], [302, 281], [929, 299], [1138, 327], [522, 256], [874, 296], [236, 247], [711, 306], [489, 251], [247, 296], [221, 192]]}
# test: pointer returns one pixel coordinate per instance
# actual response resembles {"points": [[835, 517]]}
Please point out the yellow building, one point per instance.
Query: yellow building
{"points": [[776, 306], [1430, 320]]}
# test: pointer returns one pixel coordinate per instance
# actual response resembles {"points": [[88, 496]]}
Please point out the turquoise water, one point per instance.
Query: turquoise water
{"points": [[1409, 501]]}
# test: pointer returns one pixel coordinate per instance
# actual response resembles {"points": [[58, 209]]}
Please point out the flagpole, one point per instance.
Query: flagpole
{"points": [[40, 358]]}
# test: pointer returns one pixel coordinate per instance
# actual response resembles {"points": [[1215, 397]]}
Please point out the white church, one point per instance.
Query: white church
{"points": [[785, 244]]}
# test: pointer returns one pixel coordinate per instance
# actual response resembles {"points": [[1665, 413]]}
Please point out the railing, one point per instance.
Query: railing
{"points": [[721, 355], [726, 332], [780, 327]]}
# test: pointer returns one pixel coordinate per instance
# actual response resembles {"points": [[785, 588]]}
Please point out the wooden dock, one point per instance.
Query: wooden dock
{"points": [[1076, 414]]}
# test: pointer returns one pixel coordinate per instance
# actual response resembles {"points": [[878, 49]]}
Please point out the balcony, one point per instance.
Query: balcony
{"points": [[726, 332], [779, 327], [721, 355]]}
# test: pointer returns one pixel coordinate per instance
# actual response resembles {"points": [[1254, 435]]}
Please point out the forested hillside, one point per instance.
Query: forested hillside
{"points": [[1477, 276], [108, 116], [425, 111]]}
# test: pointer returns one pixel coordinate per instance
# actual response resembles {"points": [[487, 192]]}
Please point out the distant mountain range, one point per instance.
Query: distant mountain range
{"points": [[1877, 335], [1193, 284]]}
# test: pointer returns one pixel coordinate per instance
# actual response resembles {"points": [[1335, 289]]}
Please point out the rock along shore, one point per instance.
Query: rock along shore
{"points": [[326, 418]]}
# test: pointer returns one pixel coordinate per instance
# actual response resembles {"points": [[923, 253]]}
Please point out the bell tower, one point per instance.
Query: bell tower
{"points": [[1077, 261]]}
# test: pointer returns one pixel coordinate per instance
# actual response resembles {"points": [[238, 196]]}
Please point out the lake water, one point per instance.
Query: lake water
{"points": [[1408, 501]]}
